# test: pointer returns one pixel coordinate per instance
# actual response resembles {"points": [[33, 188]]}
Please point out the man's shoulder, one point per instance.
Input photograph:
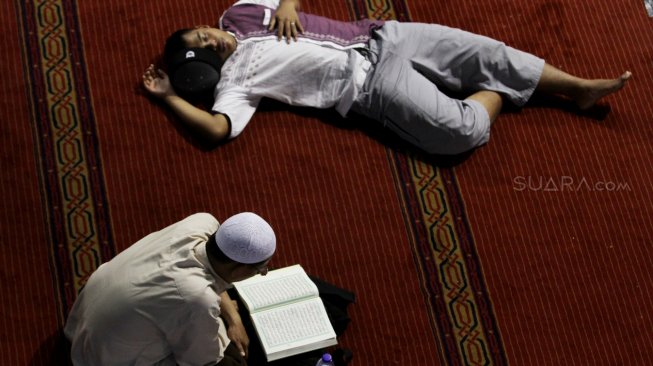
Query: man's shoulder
{"points": [[201, 217], [201, 222]]}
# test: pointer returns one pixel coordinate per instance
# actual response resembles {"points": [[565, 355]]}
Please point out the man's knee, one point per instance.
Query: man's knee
{"points": [[464, 132]]}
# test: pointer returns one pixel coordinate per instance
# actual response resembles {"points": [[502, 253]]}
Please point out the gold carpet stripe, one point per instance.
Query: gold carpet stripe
{"points": [[447, 255], [72, 170], [449, 259]]}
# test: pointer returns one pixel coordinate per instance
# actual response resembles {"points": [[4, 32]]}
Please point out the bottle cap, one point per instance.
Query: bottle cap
{"points": [[326, 357]]}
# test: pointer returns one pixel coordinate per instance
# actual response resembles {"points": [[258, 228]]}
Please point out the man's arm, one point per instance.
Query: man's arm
{"points": [[286, 20], [211, 127], [235, 329]]}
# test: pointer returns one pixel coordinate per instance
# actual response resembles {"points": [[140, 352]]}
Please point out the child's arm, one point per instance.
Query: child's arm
{"points": [[212, 127]]}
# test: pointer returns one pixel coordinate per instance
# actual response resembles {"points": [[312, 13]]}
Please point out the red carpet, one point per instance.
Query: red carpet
{"points": [[31, 311], [560, 205], [532, 276]]}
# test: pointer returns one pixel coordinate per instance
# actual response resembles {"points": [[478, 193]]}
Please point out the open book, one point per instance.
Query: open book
{"points": [[287, 312]]}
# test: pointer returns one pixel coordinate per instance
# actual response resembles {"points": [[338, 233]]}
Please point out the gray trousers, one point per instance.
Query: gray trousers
{"points": [[410, 61]]}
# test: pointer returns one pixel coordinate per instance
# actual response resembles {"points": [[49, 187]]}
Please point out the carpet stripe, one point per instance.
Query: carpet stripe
{"points": [[64, 128], [450, 272]]}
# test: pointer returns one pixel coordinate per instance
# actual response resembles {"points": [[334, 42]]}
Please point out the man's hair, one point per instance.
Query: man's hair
{"points": [[174, 44]]}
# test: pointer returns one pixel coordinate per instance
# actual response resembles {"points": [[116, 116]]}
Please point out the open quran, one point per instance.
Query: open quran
{"points": [[287, 312]]}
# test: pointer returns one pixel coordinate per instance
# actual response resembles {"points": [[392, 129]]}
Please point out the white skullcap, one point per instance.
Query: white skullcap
{"points": [[246, 238]]}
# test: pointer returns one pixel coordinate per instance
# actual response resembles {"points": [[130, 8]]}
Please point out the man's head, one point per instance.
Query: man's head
{"points": [[203, 36], [242, 247]]}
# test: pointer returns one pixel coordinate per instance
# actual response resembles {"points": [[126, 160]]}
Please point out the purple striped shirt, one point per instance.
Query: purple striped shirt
{"points": [[249, 20]]}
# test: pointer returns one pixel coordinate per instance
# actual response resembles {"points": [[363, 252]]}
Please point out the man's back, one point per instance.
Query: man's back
{"points": [[152, 302]]}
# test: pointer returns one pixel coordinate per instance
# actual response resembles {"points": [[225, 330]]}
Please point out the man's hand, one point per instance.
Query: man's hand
{"points": [[157, 83], [236, 332], [286, 20], [235, 329]]}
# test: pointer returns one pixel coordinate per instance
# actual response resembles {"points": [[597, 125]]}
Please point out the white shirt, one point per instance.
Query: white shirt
{"points": [[156, 303], [303, 73]]}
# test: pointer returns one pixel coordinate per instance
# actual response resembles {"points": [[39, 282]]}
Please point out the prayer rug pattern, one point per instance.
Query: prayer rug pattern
{"points": [[71, 169]]}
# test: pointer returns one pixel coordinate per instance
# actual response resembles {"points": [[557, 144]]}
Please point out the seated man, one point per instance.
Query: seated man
{"points": [[162, 301], [388, 71]]}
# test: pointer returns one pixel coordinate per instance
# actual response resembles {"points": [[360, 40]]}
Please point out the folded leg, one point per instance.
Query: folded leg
{"points": [[460, 60], [413, 107]]}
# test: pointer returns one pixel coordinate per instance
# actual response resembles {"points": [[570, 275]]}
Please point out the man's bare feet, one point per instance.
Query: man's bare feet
{"points": [[593, 90]]}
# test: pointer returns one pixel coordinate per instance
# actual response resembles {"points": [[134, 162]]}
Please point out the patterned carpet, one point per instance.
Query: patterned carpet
{"points": [[548, 225]]}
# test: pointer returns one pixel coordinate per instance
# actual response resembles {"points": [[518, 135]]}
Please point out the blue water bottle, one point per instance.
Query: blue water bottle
{"points": [[325, 360]]}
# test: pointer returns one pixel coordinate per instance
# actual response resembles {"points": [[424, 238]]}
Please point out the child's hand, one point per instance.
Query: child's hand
{"points": [[157, 83], [286, 21]]}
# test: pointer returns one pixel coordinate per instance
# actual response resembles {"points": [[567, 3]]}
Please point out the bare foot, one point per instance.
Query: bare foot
{"points": [[593, 90]]}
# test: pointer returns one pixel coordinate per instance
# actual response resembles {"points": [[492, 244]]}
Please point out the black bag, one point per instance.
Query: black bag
{"points": [[335, 300]]}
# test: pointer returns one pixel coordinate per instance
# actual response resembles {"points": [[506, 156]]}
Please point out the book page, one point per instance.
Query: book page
{"points": [[277, 287], [293, 326]]}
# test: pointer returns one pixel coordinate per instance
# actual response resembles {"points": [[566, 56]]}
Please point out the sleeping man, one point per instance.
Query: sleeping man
{"points": [[389, 71]]}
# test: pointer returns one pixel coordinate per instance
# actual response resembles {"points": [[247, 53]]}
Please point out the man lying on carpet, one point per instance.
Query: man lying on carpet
{"points": [[162, 301], [388, 71]]}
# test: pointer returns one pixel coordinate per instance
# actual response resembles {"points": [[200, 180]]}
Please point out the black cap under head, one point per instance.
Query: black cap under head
{"points": [[194, 71]]}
